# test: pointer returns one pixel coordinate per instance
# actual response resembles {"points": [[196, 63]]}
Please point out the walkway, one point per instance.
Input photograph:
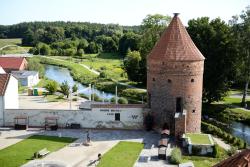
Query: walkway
{"points": [[221, 143]]}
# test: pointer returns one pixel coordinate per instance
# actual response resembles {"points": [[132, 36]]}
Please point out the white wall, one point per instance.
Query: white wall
{"points": [[131, 118], [1, 110], [11, 94]]}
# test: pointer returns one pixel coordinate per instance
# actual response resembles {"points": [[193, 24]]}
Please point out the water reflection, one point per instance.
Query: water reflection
{"points": [[60, 75], [241, 130]]}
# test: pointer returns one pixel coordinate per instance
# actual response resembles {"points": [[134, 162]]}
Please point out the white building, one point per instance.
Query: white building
{"points": [[8, 94], [2, 70], [26, 78]]}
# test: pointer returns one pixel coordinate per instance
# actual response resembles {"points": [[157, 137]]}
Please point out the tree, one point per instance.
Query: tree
{"points": [[51, 86], [130, 41], [152, 28], [132, 65], [35, 65], [216, 42], [93, 48], [74, 88], [65, 89], [241, 29]]}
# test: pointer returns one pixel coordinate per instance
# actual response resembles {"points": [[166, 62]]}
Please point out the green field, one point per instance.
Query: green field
{"points": [[124, 154], [110, 63], [21, 152], [14, 41]]}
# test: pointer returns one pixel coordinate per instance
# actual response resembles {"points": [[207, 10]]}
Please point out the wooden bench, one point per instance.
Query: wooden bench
{"points": [[42, 152]]}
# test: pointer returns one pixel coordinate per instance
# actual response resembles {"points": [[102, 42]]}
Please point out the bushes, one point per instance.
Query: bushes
{"points": [[51, 86], [214, 130], [122, 100], [216, 151], [175, 157], [134, 94]]}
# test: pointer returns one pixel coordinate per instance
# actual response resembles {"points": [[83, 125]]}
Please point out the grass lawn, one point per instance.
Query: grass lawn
{"points": [[235, 101], [10, 41], [198, 138], [55, 98], [21, 152], [124, 154], [202, 161], [15, 50]]}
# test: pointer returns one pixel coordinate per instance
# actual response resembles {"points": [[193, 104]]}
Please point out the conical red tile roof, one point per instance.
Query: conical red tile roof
{"points": [[175, 44]]}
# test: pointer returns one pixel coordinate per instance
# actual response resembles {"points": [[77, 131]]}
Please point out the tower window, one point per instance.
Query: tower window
{"points": [[163, 63], [153, 79], [193, 111], [169, 81], [192, 80]]}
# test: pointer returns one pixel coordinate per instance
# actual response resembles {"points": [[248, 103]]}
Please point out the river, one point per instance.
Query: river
{"points": [[60, 75], [241, 130]]}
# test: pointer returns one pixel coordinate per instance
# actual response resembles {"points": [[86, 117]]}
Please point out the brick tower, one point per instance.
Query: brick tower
{"points": [[174, 80]]}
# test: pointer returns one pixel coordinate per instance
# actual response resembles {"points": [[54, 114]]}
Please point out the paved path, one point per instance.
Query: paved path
{"points": [[222, 143], [9, 136]]}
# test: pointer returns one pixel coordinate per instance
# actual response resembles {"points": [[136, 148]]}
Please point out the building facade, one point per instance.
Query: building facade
{"points": [[8, 94], [175, 79], [26, 78]]}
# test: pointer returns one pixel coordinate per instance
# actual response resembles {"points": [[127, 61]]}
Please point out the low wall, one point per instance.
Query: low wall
{"points": [[130, 118]]}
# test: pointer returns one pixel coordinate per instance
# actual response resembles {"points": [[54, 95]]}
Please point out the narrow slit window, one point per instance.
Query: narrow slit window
{"points": [[192, 80]]}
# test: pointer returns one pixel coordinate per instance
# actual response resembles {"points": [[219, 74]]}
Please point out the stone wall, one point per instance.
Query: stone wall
{"points": [[130, 118]]}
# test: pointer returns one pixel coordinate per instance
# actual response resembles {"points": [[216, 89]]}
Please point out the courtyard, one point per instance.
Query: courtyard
{"points": [[73, 153]]}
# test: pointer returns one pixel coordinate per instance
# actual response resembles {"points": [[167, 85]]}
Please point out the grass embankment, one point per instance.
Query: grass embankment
{"points": [[20, 153], [124, 154], [203, 161]]}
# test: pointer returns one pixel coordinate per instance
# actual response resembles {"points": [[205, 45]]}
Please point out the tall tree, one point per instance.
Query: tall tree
{"points": [[216, 42], [241, 29]]}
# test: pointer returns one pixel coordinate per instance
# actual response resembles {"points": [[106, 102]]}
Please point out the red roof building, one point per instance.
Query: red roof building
{"points": [[241, 159], [4, 79], [13, 63]]}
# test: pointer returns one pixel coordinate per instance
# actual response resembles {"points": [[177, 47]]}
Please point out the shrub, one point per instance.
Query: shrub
{"points": [[51, 86], [65, 88], [122, 100], [74, 88], [60, 97], [96, 97], [74, 99], [231, 151], [103, 74], [135, 94], [216, 152], [175, 157], [82, 95]]}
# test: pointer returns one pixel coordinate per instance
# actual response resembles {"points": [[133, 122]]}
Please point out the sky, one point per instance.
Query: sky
{"points": [[123, 12]]}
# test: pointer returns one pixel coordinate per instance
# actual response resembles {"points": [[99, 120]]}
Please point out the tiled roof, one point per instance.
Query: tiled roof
{"points": [[4, 79], [11, 62], [175, 44], [241, 159]]}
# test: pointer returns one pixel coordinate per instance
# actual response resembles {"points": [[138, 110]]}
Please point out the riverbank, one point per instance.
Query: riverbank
{"points": [[86, 77]]}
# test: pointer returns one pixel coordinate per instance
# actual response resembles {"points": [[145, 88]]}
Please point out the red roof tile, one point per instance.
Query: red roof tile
{"points": [[175, 44], [241, 159], [4, 79], [13, 63]]}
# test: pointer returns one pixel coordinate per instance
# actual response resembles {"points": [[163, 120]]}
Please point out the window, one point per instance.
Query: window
{"points": [[192, 80], [193, 111], [163, 63], [117, 116], [153, 79], [169, 81]]}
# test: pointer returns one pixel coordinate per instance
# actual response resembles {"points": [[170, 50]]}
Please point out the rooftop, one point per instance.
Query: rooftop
{"points": [[4, 79], [23, 74], [241, 159], [11, 62], [197, 138], [175, 44]]}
